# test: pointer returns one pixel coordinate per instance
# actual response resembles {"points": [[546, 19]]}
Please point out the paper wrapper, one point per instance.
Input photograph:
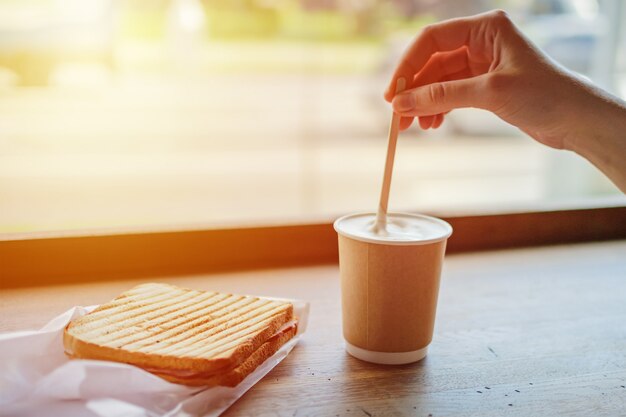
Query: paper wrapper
{"points": [[37, 379], [389, 294]]}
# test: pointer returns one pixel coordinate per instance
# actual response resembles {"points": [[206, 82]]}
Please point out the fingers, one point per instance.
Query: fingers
{"points": [[406, 122], [446, 66], [438, 121], [477, 33], [431, 122], [440, 67], [441, 63], [426, 122], [440, 37], [441, 97]]}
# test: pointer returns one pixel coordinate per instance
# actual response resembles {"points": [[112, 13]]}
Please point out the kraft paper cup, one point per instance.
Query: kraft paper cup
{"points": [[389, 289]]}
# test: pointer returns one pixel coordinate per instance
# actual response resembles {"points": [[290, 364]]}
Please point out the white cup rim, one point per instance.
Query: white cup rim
{"points": [[382, 241]]}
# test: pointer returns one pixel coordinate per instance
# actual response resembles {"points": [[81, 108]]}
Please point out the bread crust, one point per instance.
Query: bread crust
{"points": [[234, 376], [77, 347]]}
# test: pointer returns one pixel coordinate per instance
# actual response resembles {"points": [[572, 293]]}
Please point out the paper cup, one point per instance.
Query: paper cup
{"points": [[389, 286]]}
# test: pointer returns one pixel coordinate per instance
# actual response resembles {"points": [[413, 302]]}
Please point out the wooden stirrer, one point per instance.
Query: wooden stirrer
{"points": [[394, 127]]}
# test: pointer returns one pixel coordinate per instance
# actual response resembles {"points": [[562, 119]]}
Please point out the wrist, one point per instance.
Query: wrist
{"points": [[599, 135], [600, 124], [596, 116]]}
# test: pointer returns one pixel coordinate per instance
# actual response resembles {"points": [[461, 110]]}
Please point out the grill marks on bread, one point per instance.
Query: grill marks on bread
{"points": [[122, 321], [213, 331], [234, 376], [153, 322]]}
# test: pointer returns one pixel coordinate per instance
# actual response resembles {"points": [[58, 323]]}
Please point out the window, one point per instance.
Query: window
{"points": [[224, 112]]}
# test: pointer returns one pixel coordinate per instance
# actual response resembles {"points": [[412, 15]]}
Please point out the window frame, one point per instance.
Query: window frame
{"points": [[53, 258]]}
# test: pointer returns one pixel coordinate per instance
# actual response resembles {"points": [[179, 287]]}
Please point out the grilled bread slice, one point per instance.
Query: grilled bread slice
{"points": [[161, 326], [232, 377]]}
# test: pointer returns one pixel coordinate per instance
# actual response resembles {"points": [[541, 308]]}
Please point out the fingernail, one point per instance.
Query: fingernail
{"points": [[404, 102]]}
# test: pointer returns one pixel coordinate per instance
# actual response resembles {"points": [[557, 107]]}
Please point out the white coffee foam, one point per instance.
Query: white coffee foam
{"points": [[401, 228]]}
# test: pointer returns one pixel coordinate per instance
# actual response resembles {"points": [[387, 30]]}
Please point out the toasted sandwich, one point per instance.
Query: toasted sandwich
{"points": [[184, 336]]}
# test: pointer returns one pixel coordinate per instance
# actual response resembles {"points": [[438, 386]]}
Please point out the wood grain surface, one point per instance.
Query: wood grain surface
{"points": [[526, 332]]}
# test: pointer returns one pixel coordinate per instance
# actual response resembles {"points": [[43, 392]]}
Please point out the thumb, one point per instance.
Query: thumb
{"points": [[440, 97]]}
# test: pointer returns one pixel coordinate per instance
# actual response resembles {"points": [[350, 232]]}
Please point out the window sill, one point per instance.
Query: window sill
{"points": [[53, 258]]}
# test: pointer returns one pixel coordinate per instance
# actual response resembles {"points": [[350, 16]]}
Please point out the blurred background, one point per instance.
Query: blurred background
{"points": [[230, 112]]}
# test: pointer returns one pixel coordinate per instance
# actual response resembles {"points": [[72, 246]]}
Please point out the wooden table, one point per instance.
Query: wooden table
{"points": [[525, 332]]}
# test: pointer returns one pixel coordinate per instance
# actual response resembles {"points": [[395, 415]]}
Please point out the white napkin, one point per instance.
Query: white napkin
{"points": [[37, 379]]}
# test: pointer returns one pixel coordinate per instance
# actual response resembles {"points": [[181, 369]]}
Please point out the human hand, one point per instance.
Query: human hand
{"points": [[484, 61]]}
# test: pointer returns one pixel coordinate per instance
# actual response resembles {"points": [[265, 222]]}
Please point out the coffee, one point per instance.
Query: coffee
{"points": [[390, 284]]}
